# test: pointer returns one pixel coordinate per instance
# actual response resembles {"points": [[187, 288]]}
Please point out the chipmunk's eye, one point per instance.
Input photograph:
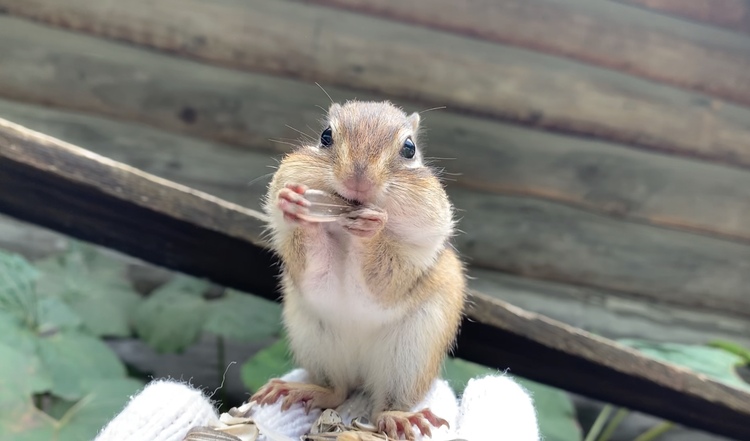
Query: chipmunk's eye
{"points": [[326, 138], [409, 149]]}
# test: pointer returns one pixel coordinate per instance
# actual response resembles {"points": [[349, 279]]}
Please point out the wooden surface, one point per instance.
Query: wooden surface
{"points": [[728, 14], [571, 211], [435, 68], [80, 73], [93, 198], [237, 176], [601, 33], [75, 191]]}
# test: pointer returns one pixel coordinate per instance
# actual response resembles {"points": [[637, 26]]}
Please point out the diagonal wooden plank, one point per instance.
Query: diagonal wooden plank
{"points": [[58, 185]]}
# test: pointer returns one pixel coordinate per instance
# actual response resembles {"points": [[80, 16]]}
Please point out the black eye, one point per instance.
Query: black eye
{"points": [[326, 138], [409, 149]]}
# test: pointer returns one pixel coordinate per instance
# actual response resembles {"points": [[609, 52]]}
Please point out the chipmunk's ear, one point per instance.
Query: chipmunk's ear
{"points": [[414, 120]]}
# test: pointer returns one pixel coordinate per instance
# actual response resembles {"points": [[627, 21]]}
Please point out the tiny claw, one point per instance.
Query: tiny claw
{"points": [[408, 432], [389, 427], [424, 427], [435, 420]]}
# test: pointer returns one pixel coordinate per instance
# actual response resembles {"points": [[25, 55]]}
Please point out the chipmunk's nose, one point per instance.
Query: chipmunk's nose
{"points": [[358, 184]]}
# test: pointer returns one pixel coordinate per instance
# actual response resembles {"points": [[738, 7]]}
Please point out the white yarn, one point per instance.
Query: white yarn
{"points": [[163, 411], [496, 405], [492, 408]]}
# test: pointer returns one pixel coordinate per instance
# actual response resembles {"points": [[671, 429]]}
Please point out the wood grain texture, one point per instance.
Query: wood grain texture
{"points": [[610, 315], [601, 33], [351, 50], [529, 237], [546, 241], [728, 14], [65, 187], [81, 73], [238, 176]]}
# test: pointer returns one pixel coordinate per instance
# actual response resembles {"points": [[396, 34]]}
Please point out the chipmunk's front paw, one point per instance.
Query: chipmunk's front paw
{"points": [[364, 222], [291, 201]]}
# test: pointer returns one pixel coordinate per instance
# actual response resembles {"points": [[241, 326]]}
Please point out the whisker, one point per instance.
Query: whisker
{"points": [[324, 91], [278, 141], [430, 110], [312, 138], [259, 178], [312, 129]]}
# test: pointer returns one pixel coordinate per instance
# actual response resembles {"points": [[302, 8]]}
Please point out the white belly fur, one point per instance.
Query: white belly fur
{"points": [[336, 326]]}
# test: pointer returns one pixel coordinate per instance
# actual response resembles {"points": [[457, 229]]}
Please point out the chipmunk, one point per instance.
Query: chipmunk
{"points": [[374, 300]]}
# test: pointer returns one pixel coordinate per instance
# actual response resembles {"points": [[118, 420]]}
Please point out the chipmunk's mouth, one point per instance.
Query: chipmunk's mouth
{"points": [[354, 202]]}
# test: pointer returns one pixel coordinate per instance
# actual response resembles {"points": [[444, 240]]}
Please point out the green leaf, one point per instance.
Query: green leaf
{"points": [[54, 314], [84, 420], [94, 286], [76, 361], [20, 377], [243, 317], [713, 362], [733, 348], [555, 411], [17, 295], [172, 318], [557, 415], [23, 341], [15, 334], [458, 372], [24, 422], [270, 362], [20, 420]]}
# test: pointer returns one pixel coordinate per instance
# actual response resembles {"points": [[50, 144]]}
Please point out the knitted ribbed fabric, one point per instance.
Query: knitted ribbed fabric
{"points": [[496, 408], [163, 411], [492, 408]]}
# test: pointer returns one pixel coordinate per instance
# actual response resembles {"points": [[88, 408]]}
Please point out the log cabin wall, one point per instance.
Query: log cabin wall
{"points": [[601, 149]]}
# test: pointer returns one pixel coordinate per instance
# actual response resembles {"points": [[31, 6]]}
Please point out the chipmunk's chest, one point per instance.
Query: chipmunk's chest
{"points": [[334, 284]]}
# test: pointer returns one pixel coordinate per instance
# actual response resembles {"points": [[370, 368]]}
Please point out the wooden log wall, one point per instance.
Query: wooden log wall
{"points": [[588, 229], [348, 49], [603, 146], [728, 14]]}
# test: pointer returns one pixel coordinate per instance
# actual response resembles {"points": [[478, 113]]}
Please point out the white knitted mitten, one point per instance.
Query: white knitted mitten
{"points": [[492, 408]]}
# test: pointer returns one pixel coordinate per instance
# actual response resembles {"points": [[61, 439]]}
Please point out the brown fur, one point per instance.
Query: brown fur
{"points": [[409, 264]]}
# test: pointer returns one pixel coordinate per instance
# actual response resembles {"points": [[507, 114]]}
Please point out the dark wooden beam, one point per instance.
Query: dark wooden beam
{"points": [[71, 190], [541, 349], [64, 187]]}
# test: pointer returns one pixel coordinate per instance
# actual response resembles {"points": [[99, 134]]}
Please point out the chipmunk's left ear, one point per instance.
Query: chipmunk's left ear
{"points": [[414, 120]]}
